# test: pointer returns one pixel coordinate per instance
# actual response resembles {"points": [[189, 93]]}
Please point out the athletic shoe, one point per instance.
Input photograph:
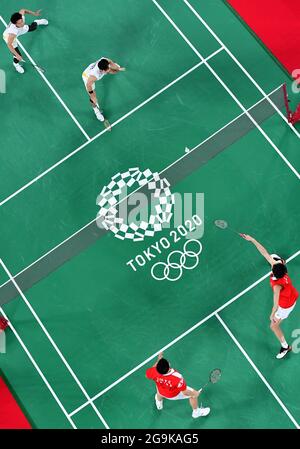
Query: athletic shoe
{"points": [[283, 352], [99, 115], [201, 411], [42, 21], [18, 67], [159, 404]]}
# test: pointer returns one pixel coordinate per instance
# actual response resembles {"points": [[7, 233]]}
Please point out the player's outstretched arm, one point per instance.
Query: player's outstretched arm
{"points": [[259, 247], [33, 13], [160, 356], [114, 67]]}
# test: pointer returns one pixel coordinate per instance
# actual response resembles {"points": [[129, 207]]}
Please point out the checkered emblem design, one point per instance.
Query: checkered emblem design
{"points": [[135, 178]]}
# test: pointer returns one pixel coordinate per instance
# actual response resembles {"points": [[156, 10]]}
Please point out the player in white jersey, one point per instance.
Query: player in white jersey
{"points": [[94, 72], [16, 28]]}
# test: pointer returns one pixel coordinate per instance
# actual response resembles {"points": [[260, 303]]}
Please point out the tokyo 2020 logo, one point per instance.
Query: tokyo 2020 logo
{"points": [[111, 195]]}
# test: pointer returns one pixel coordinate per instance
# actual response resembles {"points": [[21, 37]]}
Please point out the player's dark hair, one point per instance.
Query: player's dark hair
{"points": [[279, 270], [162, 366], [15, 17], [103, 64]]}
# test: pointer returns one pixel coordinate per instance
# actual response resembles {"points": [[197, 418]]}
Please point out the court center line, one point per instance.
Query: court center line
{"points": [[39, 370], [204, 23], [51, 88], [125, 198], [180, 337], [258, 372], [54, 345], [41, 175], [233, 96]]}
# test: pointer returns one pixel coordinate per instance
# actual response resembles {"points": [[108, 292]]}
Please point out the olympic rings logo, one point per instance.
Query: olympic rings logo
{"points": [[172, 270]]}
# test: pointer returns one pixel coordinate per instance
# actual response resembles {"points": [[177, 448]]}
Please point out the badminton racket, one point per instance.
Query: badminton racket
{"points": [[106, 123], [214, 377], [37, 67], [222, 224]]}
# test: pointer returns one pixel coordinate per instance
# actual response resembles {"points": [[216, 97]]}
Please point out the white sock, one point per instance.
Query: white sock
{"points": [[284, 344]]}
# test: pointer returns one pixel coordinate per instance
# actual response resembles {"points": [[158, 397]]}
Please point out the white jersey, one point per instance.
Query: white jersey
{"points": [[13, 29], [93, 70]]}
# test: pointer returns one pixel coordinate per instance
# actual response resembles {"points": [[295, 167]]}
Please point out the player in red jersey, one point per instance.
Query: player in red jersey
{"points": [[284, 294], [171, 385]]}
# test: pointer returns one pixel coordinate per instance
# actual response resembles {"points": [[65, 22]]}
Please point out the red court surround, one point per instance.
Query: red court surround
{"points": [[277, 24], [11, 416]]}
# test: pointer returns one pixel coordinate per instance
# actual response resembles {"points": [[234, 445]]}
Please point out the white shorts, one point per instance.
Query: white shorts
{"points": [[282, 314], [179, 396], [85, 78]]}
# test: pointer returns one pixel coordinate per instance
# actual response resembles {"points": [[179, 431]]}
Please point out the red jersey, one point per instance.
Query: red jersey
{"points": [[168, 385], [288, 294]]}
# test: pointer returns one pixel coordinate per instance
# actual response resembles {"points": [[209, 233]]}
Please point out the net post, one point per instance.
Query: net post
{"points": [[296, 115], [286, 102], [293, 117], [3, 323]]}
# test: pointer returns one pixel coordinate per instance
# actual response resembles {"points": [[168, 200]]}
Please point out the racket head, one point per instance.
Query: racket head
{"points": [[39, 69], [107, 125], [222, 224], [215, 375]]}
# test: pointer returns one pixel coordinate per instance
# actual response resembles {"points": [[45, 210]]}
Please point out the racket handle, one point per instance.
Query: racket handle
{"points": [[201, 389]]}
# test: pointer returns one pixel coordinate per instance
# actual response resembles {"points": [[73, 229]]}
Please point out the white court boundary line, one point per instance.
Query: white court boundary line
{"points": [[240, 66], [163, 170], [258, 372], [180, 337], [41, 175], [39, 370], [227, 89], [54, 345], [51, 88]]}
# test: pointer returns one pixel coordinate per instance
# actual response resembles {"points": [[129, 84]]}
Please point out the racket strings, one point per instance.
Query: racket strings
{"points": [[215, 376], [36, 66], [222, 224]]}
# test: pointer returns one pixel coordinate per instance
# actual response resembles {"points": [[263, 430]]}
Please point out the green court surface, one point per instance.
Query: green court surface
{"points": [[85, 328]]}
